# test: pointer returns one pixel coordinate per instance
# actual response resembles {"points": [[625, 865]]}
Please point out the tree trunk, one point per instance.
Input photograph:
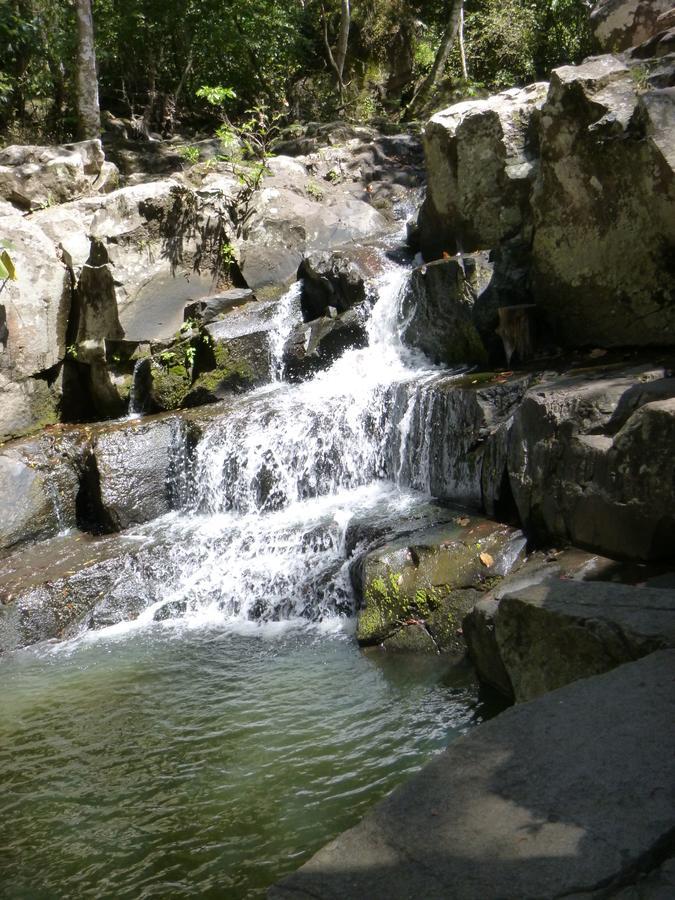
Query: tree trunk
{"points": [[337, 59], [88, 112], [440, 59]]}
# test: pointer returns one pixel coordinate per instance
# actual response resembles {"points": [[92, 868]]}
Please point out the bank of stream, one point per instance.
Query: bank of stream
{"points": [[208, 738]]}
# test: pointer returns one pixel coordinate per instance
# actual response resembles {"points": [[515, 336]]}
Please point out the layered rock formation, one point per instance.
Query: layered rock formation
{"points": [[571, 187]]}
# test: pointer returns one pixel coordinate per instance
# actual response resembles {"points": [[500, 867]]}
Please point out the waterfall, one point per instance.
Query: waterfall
{"points": [[138, 392], [277, 478]]}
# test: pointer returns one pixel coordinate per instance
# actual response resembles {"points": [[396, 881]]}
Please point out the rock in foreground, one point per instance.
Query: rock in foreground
{"points": [[481, 821], [550, 634]]}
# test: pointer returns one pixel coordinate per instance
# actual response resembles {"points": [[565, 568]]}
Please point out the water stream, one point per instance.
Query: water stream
{"points": [[212, 740]]}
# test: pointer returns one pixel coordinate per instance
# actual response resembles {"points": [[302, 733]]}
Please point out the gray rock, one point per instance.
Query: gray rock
{"points": [[618, 24], [481, 640], [329, 279], [482, 821], [34, 313], [283, 226], [36, 177], [438, 311], [132, 470], [458, 438], [315, 345], [26, 509], [211, 308], [603, 266], [553, 633], [481, 157], [574, 477], [56, 588]]}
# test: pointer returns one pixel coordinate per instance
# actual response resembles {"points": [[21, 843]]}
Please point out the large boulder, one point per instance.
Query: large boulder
{"points": [[34, 313], [603, 264], [37, 177], [130, 473], [567, 796], [619, 24], [481, 160], [556, 632], [283, 226], [409, 579], [591, 462]]}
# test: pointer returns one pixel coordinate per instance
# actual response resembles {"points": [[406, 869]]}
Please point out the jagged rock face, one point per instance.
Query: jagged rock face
{"points": [[603, 257], [481, 158], [36, 177], [619, 24], [438, 310], [314, 345], [329, 279], [591, 462]]}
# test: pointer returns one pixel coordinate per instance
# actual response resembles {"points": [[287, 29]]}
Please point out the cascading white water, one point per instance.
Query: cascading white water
{"points": [[279, 475]]}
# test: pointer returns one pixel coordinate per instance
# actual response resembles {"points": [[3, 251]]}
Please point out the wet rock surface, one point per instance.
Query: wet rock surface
{"points": [[438, 310], [482, 821], [424, 577], [329, 280], [54, 589]]}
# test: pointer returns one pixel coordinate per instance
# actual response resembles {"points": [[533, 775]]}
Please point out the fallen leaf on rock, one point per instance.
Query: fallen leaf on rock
{"points": [[462, 520], [486, 559]]}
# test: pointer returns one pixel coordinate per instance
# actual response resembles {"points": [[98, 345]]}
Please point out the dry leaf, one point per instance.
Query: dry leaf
{"points": [[462, 520], [486, 559]]}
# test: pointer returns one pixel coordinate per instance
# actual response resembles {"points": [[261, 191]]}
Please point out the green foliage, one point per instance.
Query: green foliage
{"points": [[7, 267], [216, 96], [228, 254], [161, 61], [314, 191], [189, 154]]}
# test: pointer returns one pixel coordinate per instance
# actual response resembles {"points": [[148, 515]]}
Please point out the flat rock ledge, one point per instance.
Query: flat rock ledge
{"points": [[569, 795], [540, 637]]}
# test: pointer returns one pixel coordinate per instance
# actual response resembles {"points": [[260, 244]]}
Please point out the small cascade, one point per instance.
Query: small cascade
{"points": [[140, 387], [268, 487], [288, 314]]}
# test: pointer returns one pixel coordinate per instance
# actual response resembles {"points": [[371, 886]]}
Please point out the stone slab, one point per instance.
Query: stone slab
{"points": [[565, 795]]}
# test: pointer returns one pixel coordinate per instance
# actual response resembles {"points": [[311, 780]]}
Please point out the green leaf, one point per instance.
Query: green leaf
{"points": [[7, 268]]}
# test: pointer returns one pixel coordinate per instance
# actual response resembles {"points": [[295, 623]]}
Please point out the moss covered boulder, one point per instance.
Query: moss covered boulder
{"points": [[431, 578]]}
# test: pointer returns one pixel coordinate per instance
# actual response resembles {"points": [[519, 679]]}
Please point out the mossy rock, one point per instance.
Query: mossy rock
{"points": [[431, 576], [414, 638], [170, 386], [445, 622]]}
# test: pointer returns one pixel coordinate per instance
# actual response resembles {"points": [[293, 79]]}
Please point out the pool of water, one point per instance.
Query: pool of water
{"points": [[201, 762]]}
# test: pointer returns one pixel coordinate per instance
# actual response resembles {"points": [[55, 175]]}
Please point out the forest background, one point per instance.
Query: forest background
{"points": [[366, 61]]}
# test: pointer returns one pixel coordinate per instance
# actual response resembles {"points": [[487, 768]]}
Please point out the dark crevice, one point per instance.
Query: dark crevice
{"points": [[90, 513]]}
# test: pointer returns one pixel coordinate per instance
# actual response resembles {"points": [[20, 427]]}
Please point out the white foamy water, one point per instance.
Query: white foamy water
{"points": [[281, 476]]}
